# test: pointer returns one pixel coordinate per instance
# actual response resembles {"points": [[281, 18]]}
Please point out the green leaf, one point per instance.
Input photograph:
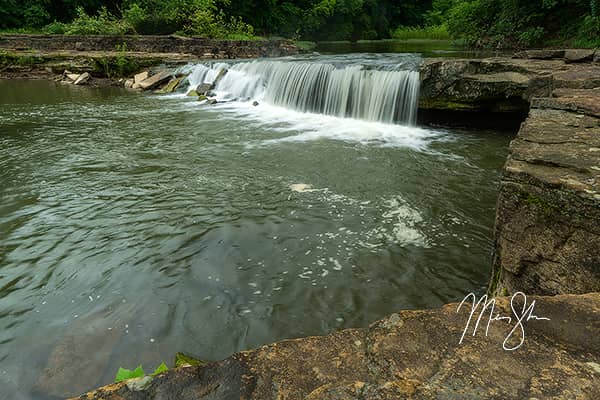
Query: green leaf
{"points": [[124, 374], [160, 369], [184, 359]]}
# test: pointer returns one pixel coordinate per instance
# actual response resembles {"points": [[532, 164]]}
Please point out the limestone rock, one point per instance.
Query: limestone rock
{"points": [[170, 86], [154, 80], [137, 78], [72, 77], [547, 232], [222, 72], [409, 355], [204, 88], [82, 79], [128, 83], [544, 54], [500, 84], [579, 55]]}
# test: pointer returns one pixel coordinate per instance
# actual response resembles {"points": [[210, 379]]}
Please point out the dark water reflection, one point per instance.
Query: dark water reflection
{"points": [[134, 226]]}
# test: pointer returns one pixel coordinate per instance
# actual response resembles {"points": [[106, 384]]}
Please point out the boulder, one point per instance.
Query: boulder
{"points": [[170, 86], [137, 78], [202, 97], [129, 84], [82, 79], [204, 88], [255, 103], [211, 101], [192, 93], [154, 80], [72, 77], [579, 55], [222, 72]]}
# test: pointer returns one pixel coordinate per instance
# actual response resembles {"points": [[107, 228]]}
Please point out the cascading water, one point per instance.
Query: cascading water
{"points": [[346, 91]]}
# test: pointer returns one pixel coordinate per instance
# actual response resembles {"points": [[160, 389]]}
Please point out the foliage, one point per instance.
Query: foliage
{"points": [[438, 32], [182, 359], [124, 374], [121, 65], [101, 24], [519, 23], [483, 23]]}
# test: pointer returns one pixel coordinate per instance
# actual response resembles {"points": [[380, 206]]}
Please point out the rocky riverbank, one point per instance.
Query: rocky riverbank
{"points": [[109, 59], [409, 355]]}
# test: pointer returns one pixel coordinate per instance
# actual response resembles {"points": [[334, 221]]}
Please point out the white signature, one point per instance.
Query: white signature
{"points": [[519, 316]]}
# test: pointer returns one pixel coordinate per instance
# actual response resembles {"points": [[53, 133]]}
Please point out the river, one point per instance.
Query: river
{"points": [[136, 225]]}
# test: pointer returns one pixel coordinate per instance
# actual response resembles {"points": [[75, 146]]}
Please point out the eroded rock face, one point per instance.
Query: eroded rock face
{"points": [[502, 84], [409, 355], [548, 214]]}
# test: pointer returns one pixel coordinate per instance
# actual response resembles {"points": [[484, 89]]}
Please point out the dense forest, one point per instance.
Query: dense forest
{"points": [[484, 23]]}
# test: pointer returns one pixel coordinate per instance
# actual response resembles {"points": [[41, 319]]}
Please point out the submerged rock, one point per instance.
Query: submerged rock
{"points": [[204, 88], [411, 354], [80, 356], [220, 76], [255, 103], [211, 101]]}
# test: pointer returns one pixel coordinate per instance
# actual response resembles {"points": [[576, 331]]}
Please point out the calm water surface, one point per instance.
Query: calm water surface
{"points": [[134, 226]]}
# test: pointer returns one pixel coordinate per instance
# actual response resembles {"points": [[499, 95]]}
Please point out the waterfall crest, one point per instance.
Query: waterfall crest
{"points": [[346, 91]]}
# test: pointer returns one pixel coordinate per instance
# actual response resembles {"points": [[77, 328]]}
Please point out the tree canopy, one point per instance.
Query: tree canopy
{"points": [[491, 23]]}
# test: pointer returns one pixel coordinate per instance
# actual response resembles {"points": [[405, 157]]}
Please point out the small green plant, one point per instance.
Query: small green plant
{"points": [[182, 359], [124, 374]]}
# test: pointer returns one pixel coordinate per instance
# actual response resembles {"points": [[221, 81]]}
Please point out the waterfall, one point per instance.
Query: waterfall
{"points": [[346, 91]]}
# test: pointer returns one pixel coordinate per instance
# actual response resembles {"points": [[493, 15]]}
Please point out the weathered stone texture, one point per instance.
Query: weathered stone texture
{"points": [[409, 355], [548, 212], [199, 47], [499, 84]]}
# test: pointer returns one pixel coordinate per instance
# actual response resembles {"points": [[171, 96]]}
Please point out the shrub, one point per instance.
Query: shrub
{"points": [[101, 24], [439, 32], [532, 36], [56, 28]]}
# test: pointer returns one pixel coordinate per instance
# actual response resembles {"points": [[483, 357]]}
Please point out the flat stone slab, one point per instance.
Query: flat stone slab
{"points": [[409, 355]]}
